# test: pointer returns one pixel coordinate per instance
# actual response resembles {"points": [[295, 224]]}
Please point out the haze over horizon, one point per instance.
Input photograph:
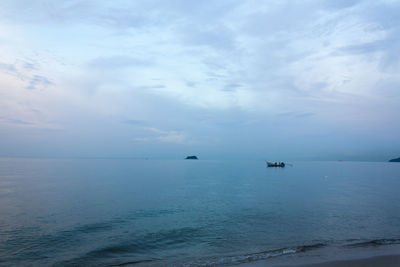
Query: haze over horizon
{"points": [[218, 79]]}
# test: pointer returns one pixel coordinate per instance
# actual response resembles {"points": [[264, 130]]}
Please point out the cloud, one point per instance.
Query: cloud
{"points": [[190, 84], [296, 114], [340, 4], [16, 121], [173, 138], [231, 87], [7, 68], [30, 66], [162, 136], [37, 82], [215, 36], [170, 72], [135, 122], [118, 62]]}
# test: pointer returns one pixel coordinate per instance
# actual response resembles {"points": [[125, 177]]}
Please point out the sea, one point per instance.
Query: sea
{"points": [[131, 212]]}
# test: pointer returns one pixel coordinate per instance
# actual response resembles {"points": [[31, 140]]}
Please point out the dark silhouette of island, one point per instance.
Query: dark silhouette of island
{"points": [[191, 157], [395, 160]]}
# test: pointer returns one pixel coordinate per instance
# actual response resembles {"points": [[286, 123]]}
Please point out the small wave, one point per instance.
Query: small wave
{"points": [[137, 246], [140, 214], [133, 262], [263, 255], [233, 259], [93, 227], [376, 242], [151, 241]]}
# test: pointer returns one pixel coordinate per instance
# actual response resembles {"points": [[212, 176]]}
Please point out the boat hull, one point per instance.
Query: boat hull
{"points": [[270, 164]]}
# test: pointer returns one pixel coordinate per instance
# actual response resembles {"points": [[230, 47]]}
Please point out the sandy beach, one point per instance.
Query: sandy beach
{"points": [[387, 261]]}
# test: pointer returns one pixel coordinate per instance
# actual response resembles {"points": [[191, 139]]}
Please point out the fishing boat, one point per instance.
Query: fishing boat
{"points": [[271, 164]]}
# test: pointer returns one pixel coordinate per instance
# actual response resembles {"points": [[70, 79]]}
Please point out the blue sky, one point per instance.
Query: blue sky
{"points": [[218, 79]]}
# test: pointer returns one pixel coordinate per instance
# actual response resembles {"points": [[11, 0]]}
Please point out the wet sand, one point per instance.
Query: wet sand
{"points": [[387, 261]]}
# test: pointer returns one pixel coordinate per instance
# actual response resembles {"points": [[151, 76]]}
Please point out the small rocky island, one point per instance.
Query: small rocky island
{"points": [[191, 157], [395, 160]]}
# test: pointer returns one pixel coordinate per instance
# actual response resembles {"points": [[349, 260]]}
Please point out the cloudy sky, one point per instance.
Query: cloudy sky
{"points": [[218, 79]]}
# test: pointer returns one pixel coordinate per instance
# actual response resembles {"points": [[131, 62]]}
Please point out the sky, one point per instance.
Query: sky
{"points": [[229, 79]]}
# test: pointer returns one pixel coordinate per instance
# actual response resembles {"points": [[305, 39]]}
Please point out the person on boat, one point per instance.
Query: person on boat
{"points": [[283, 164]]}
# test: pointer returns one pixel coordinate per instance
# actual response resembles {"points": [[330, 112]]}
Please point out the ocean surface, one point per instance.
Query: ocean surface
{"points": [[125, 212]]}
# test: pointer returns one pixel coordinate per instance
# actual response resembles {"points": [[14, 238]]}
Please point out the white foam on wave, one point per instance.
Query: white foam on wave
{"points": [[236, 259]]}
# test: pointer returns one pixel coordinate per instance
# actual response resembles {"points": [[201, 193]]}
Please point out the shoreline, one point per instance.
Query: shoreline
{"points": [[386, 260], [373, 261]]}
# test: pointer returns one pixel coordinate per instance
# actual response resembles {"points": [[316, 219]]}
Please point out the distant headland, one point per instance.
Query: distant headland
{"points": [[191, 157], [395, 160]]}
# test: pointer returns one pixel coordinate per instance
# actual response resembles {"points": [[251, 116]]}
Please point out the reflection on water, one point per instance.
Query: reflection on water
{"points": [[99, 212]]}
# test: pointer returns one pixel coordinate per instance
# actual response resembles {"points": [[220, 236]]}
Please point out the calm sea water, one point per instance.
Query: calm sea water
{"points": [[120, 212]]}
